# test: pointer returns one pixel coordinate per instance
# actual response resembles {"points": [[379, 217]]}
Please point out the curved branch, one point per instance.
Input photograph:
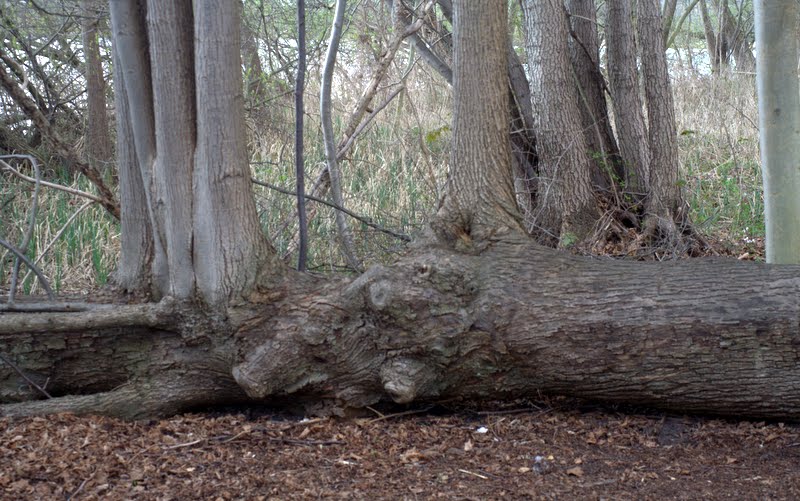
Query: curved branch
{"points": [[31, 222], [60, 187], [29, 264]]}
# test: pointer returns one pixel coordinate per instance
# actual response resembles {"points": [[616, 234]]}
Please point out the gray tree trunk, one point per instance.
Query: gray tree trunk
{"points": [[664, 202], [566, 209], [326, 116], [479, 201], [230, 252], [99, 152], [779, 123], [628, 108], [136, 252], [607, 167], [193, 165]]}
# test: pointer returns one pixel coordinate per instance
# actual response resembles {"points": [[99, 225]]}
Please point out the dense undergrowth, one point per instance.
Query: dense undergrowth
{"points": [[393, 176]]}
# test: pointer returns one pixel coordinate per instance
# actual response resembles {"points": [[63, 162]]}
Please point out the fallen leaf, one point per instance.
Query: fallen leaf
{"points": [[575, 472]]}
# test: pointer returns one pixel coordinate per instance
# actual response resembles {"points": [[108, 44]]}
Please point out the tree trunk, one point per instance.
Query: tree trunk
{"points": [[628, 110], [566, 210], [136, 249], [585, 56], [779, 123], [230, 254], [664, 204], [702, 336], [479, 202], [98, 139]]}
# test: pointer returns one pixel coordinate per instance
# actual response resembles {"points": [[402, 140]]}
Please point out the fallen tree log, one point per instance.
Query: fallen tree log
{"points": [[703, 336]]}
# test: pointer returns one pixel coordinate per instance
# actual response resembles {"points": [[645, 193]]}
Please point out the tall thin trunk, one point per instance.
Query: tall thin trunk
{"points": [[668, 19], [566, 210], [136, 253], [628, 111], [345, 236], [131, 46], [231, 254], [172, 59], [779, 120], [664, 199], [585, 57], [98, 137], [300, 175]]}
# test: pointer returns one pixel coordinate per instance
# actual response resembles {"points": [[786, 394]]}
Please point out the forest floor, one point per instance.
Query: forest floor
{"points": [[552, 449], [560, 449]]}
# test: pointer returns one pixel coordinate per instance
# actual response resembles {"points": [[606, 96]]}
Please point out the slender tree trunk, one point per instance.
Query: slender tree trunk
{"points": [[299, 158], [172, 63], [779, 122], [136, 253], [585, 57], [664, 203], [345, 235], [566, 210], [230, 254], [628, 108], [711, 39], [668, 19], [131, 46], [98, 138]]}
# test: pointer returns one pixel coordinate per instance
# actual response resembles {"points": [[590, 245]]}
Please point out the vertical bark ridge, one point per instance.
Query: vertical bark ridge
{"points": [[479, 202], [172, 60], [136, 251], [567, 209], [585, 56], [664, 198], [230, 249], [628, 111], [131, 46]]}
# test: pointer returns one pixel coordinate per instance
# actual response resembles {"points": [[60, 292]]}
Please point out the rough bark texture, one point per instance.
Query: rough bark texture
{"points": [[98, 134], [136, 249], [664, 198], [704, 336], [479, 202], [566, 210], [169, 25], [229, 251], [585, 56], [131, 48], [628, 110]]}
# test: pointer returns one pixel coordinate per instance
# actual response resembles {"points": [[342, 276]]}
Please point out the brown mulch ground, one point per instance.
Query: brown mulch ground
{"points": [[555, 451]]}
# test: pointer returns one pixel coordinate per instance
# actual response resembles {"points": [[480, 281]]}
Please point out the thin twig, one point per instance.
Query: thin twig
{"points": [[22, 374], [80, 487], [295, 441], [367, 221], [400, 414]]}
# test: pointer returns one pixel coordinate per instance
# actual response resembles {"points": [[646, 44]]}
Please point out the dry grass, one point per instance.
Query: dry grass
{"points": [[394, 175]]}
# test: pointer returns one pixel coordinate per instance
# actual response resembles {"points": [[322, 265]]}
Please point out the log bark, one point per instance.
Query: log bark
{"points": [[703, 336]]}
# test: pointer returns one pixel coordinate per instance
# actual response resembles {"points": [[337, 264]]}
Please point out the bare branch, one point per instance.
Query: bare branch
{"points": [[367, 221]]}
